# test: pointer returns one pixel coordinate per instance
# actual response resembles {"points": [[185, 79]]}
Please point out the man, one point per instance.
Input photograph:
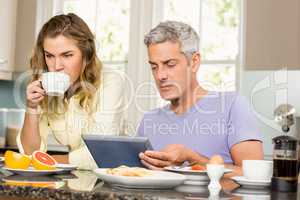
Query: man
{"points": [[197, 124]]}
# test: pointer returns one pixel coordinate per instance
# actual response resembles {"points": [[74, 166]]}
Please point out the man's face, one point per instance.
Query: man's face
{"points": [[170, 69]]}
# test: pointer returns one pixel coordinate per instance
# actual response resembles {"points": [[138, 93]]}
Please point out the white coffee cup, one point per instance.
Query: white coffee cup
{"points": [[55, 83], [258, 169]]}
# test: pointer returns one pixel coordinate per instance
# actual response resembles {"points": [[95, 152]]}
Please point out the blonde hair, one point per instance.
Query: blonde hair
{"points": [[73, 27]]}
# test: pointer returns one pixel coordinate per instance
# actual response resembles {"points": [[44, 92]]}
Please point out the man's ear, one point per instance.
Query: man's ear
{"points": [[195, 61]]}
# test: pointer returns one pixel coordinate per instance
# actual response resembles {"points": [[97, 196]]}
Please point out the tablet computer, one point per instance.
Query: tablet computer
{"points": [[113, 151]]}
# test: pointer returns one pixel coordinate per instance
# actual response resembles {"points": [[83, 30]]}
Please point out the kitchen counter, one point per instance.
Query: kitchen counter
{"points": [[86, 185]]}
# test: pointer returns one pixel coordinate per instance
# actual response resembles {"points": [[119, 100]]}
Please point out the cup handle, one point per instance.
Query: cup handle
{"points": [[40, 80]]}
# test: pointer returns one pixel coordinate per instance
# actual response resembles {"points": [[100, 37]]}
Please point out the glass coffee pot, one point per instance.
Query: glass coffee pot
{"points": [[285, 164], [285, 153]]}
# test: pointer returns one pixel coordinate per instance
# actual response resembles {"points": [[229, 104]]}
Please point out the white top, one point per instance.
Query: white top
{"points": [[68, 127]]}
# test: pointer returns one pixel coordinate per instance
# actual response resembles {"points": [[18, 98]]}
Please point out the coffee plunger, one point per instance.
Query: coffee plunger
{"points": [[285, 152]]}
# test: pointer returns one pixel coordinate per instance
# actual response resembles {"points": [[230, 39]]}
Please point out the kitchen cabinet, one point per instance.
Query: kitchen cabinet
{"points": [[25, 35], [8, 21], [17, 36], [272, 34]]}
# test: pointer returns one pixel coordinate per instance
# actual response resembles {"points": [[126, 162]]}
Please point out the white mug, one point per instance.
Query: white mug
{"points": [[258, 169], [55, 83]]}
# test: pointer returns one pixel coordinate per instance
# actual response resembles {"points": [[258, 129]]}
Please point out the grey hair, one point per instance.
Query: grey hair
{"points": [[174, 31]]}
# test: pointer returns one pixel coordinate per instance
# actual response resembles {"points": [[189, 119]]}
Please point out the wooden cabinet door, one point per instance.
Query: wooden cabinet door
{"points": [[8, 15]]}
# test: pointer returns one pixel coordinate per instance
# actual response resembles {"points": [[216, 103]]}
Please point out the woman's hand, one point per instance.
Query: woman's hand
{"points": [[34, 94]]}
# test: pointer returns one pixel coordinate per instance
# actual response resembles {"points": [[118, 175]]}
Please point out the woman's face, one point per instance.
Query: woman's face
{"points": [[63, 55]]}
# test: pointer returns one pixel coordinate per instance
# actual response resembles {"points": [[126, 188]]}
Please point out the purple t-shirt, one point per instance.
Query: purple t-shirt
{"points": [[212, 126]]}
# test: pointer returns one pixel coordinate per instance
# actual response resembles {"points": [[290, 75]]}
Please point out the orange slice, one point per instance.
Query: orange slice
{"points": [[16, 160], [42, 161]]}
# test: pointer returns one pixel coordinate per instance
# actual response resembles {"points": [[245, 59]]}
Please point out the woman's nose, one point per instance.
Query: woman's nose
{"points": [[59, 65]]}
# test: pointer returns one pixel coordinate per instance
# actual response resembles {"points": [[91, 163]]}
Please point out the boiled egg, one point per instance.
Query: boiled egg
{"points": [[216, 159]]}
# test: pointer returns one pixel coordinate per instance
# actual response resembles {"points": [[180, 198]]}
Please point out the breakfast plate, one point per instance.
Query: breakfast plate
{"points": [[67, 168], [154, 180], [262, 193], [193, 177], [192, 189], [32, 172], [247, 183], [189, 170]]}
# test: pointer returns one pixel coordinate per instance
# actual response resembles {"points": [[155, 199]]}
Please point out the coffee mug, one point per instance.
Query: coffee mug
{"points": [[55, 83], [258, 169]]}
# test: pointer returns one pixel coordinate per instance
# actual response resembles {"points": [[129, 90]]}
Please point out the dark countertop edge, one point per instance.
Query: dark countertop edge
{"points": [[61, 194]]}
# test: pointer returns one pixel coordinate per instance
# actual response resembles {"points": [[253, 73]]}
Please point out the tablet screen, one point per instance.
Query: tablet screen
{"points": [[113, 151]]}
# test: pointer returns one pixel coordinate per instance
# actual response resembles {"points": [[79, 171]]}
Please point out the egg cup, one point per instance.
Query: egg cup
{"points": [[215, 172]]}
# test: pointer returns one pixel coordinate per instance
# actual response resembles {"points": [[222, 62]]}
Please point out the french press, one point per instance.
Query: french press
{"points": [[285, 153]]}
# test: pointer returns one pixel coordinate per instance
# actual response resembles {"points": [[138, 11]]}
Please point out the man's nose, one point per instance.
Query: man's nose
{"points": [[58, 65], [162, 74]]}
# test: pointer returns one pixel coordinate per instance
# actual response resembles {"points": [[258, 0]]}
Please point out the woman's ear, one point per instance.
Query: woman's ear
{"points": [[195, 61]]}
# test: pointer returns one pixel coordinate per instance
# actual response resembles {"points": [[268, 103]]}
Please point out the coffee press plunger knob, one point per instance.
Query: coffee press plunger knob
{"points": [[284, 116], [285, 128]]}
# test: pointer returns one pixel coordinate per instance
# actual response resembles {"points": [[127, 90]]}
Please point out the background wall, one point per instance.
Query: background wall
{"points": [[266, 90], [11, 97], [271, 42], [272, 30], [6, 94]]}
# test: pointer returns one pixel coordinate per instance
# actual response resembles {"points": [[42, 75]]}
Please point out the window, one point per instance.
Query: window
{"points": [[120, 26], [109, 21], [217, 23]]}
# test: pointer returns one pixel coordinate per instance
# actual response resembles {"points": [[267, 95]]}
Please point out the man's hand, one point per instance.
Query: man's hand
{"points": [[174, 154]]}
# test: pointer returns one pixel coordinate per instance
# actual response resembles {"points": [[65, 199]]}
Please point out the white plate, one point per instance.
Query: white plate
{"points": [[158, 179], [188, 170], [244, 182], [67, 168], [252, 193], [1, 159], [194, 177], [33, 172], [192, 189]]}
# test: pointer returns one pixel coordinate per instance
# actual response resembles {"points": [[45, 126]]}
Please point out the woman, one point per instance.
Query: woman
{"points": [[92, 104]]}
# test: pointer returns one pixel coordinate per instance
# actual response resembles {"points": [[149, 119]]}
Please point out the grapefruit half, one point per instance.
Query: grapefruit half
{"points": [[16, 160], [42, 161]]}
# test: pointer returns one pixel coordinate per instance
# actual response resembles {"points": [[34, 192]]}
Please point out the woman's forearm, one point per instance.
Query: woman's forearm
{"points": [[61, 158], [30, 136]]}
